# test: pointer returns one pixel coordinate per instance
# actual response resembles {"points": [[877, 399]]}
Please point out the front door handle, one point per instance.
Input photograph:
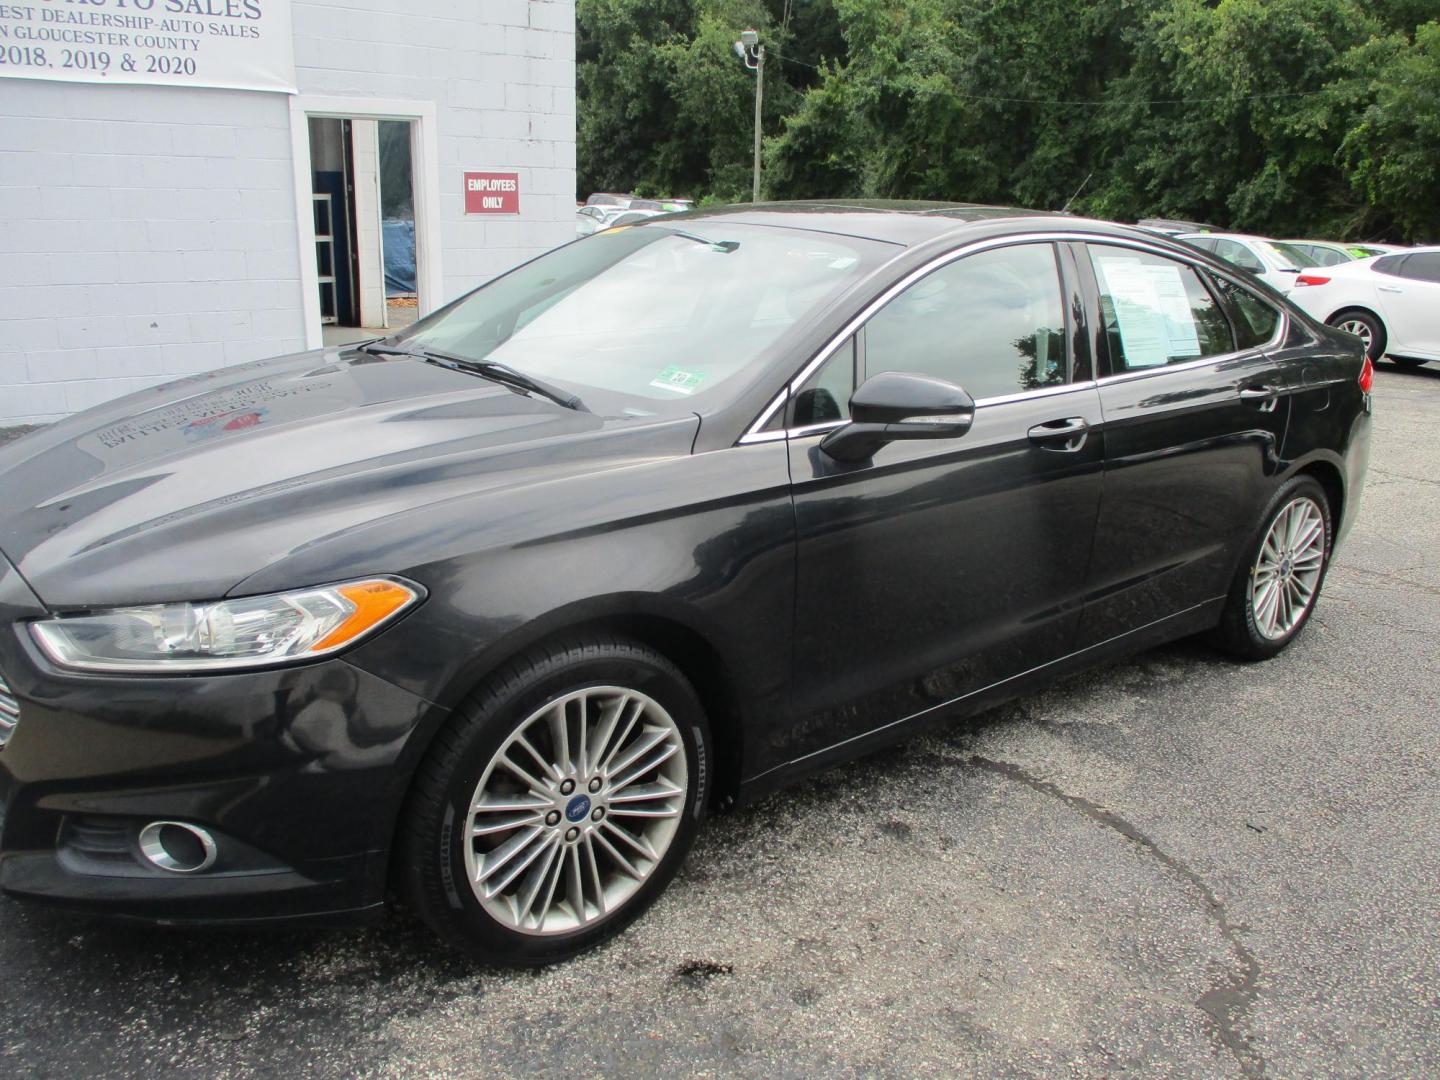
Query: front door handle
{"points": [[1066, 435]]}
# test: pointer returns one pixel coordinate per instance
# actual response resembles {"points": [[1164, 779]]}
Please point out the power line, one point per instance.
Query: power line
{"points": [[1163, 101], [1128, 101]]}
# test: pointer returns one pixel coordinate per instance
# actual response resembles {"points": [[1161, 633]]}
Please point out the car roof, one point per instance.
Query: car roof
{"points": [[1335, 244], [895, 221], [1225, 236]]}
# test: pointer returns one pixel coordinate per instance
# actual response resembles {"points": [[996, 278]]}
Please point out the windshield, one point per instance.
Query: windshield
{"points": [[658, 315]]}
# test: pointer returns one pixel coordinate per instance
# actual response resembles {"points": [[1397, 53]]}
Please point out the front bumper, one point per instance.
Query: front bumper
{"points": [[298, 773]]}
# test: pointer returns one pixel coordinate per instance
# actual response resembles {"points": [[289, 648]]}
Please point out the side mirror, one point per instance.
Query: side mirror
{"points": [[898, 405]]}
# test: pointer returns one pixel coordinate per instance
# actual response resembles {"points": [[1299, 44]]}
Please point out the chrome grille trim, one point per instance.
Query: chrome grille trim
{"points": [[9, 712]]}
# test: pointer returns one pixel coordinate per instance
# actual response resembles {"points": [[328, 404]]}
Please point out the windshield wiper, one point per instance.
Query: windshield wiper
{"points": [[489, 369], [725, 247]]}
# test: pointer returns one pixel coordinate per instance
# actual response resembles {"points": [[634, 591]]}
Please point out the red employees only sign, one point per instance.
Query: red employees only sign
{"points": [[492, 193]]}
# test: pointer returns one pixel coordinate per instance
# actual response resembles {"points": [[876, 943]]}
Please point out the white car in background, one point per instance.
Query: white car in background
{"points": [[1325, 252], [1270, 261], [1392, 303]]}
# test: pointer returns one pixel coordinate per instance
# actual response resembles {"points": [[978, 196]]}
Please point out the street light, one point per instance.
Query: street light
{"points": [[749, 49]]}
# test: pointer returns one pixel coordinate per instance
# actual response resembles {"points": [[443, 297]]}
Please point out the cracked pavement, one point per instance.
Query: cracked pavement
{"points": [[1171, 866]]}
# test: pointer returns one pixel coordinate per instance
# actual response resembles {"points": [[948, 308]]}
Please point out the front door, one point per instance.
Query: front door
{"points": [[939, 568]]}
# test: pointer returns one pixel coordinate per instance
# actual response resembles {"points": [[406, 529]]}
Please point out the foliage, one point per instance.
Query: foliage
{"points": [[1295, 117]]}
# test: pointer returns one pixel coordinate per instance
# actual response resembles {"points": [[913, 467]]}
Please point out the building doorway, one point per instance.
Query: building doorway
{"points": [[367, 201], [362, 193]]}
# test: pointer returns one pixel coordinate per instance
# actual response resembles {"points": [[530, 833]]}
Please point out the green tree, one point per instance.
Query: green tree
{"points": [[1316, 117], [1391, 154]]}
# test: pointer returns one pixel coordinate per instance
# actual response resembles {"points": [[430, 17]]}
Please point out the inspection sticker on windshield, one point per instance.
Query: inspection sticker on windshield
{"points": [[678, 379]]}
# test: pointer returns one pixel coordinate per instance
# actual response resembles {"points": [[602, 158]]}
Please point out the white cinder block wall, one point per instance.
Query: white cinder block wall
{"points": [[149, 232]]}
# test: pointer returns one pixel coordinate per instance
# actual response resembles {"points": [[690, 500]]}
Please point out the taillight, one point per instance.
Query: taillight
{"points": [[1367, 374], [1311, 279]]}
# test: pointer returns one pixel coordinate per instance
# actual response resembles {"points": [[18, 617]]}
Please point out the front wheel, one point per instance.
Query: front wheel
{"points": [[1275, 590], [558, 803]]}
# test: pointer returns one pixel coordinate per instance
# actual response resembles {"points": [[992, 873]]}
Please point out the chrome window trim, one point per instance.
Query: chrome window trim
{"points": [[1282, 327], [755, 434]]}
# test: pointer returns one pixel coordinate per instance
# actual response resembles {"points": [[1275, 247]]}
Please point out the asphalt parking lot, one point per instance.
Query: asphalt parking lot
{"points": [[1171, 866]]}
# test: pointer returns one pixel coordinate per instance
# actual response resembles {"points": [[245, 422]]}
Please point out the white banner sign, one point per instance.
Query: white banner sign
{"points": [[240, 44]]}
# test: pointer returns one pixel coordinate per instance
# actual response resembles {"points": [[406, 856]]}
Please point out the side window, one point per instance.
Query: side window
{"points": [[1239, 255], [1202, 242], [1423, 266], [992, 323], [1390, 264], [1156, 311], [826, 394], [1255, 320]]}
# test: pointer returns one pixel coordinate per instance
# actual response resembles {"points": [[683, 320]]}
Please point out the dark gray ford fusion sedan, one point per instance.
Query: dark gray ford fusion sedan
{"points": [[488, 614]]}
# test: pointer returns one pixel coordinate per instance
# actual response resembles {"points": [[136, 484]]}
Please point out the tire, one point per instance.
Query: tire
{"points": [[1250, 626], [1364, 325], [463, 785]]}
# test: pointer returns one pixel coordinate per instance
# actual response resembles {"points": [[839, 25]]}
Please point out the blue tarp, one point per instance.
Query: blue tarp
{"points": [[399, 243]]}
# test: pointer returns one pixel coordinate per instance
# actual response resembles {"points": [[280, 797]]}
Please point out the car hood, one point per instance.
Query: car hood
{"points": [[183, 491]]}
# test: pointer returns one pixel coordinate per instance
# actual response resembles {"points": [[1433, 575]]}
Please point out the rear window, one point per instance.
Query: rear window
{"points": [[1285, 256], [1320, 256]]}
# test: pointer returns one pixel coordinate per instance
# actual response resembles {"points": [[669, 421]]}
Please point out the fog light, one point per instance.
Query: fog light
{"points": [[177, 847]]}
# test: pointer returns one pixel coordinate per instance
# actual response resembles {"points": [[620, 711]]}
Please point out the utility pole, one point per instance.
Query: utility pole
{"points": [[749, 49]]}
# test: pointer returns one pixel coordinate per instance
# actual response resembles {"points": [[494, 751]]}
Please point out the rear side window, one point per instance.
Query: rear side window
{"points": [[1424, 266], [992, 322], [1156, 311], [1255, 321], [1390, 264]]}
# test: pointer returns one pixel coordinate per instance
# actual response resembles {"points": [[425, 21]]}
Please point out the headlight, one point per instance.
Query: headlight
{"points": [[250, 632]]}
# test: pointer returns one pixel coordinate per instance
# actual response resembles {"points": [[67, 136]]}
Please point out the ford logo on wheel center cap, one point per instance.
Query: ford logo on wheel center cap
{"points": [[577, 808]]}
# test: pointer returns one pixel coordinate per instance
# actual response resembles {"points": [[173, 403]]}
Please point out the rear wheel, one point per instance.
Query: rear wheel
{"points": [[558, 804], [1275, 590], [1364, 325]]}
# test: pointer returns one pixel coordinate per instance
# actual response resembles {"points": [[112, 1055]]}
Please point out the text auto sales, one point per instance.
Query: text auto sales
{"points": [[166, 30]]}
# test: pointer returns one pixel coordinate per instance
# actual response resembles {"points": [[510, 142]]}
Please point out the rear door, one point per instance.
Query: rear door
{"points": [[1409, 297], [1194, 421], [939, 568]]}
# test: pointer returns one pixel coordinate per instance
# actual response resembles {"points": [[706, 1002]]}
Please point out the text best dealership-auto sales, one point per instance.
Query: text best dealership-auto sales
{"points": [[240, 10]]}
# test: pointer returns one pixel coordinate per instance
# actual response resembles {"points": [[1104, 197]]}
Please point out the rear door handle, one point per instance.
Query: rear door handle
{"points": [[1387, 288], [1068, 433], [1265, 396]]}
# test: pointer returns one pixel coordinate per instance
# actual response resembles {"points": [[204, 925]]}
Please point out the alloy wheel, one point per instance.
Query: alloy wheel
{"points": [[1359, 328], [575, 810], [1287, 573]]}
